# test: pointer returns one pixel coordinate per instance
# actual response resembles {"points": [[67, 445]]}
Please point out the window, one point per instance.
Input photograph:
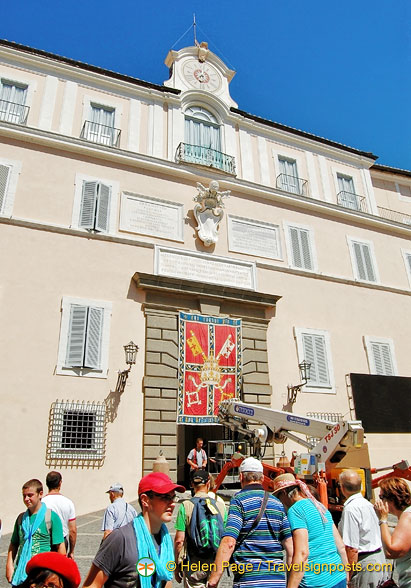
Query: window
{"points": [[202, 128], [4, 182], [381, 357], [83, 348], [12, 102], [288, 179], [95, 206], [9, 173], [407, 260], [362, 258], [314, 347], [77, 431], [346, 193], [300, 247], [100, 127]]}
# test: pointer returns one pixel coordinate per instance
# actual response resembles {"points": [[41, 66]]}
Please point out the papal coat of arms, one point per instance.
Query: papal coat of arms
{"points": [[209, 366]]}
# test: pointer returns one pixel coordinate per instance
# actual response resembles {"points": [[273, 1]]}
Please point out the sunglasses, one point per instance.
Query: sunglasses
{"points": [[163, 497]]}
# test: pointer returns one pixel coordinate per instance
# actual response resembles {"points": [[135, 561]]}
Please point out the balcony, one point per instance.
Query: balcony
{"points": [[102, 134], [352, 201], [205, 156], [292, 184], [393, 215], [13, 113]]}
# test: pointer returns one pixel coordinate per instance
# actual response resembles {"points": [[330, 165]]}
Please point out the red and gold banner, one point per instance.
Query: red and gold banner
{"points": [[210, 363]]}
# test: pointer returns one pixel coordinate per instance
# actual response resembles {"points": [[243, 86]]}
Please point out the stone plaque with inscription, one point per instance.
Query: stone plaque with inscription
{"points": [[145, 215], [253, 237], [202, 267]]}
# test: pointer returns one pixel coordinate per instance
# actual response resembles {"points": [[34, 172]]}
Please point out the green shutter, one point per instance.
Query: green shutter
{"points": [[103, 208], [76, 336], [88, 205], [4, 176]]}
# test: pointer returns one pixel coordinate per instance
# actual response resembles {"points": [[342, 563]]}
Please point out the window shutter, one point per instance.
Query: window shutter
{"points": [[364, 262], [93, 339], [382, 359], [301, 250], [76, 336], [316, 354], [103, 208], [88, 205], [4, 176], [408, 258]]}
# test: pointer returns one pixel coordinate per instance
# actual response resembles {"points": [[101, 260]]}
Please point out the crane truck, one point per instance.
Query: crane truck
{"points": [[328, 448]]}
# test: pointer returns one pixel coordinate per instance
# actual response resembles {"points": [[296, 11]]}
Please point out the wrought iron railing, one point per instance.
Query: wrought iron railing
{"points": [[13, 113], [205, 156], [102, 134], [292, 184], [352, 201], [394, 215]]}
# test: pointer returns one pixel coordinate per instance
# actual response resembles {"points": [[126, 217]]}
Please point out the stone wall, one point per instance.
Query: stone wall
{"points": [[161, 361]]}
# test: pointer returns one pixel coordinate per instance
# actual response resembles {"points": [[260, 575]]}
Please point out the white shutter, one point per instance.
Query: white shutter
{"points": [[4, 176], [408, 258], [364, 263], [103, 208], [76, 336], [88, 205], [301, 248], [94, 337], [381, 353], [315, 352]]}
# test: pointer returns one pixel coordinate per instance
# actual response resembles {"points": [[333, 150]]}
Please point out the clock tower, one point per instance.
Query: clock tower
{"points": [[197, 68]]}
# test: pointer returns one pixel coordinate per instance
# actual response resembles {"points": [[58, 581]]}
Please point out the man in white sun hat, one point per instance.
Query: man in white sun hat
{"points": [[119, 513], [256, 534]]}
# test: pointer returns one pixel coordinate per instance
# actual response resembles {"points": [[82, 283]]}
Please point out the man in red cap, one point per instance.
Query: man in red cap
{"points": [[145, 539]]}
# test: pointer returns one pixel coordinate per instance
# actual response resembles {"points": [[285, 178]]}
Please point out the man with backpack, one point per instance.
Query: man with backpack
{"points": [[199, 528], [197, 458], [256, 535], [36, 530]]}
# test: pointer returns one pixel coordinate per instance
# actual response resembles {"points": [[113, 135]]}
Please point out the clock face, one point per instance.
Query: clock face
{"points": [[202, 76]]}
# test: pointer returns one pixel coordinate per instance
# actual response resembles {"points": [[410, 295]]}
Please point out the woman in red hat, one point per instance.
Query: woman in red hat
{"points": [[51, 570]]}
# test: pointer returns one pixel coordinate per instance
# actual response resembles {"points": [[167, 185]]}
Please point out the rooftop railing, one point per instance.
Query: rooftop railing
{"points": [[103, 134], [292, 184], [205, 156], [352, 201], [13, 113], [394, 215]]}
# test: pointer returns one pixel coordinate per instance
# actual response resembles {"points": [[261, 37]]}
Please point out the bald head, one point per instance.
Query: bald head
{"points": [[350, 481]]}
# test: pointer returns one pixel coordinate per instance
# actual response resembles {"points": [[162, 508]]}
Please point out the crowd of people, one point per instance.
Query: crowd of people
{"points": [[283, 539]]}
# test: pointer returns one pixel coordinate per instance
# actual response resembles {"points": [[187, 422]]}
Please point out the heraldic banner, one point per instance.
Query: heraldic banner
{"points": [[210, 364]]}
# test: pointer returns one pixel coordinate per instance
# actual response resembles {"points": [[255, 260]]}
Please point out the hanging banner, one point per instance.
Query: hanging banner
{"points": [[210, 364]]}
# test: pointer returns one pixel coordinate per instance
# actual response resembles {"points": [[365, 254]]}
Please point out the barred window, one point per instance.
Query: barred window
{"points": [[77, 431]]}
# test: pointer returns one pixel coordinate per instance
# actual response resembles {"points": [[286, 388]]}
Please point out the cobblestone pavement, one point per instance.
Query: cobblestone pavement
{"points": [[88, 540]]}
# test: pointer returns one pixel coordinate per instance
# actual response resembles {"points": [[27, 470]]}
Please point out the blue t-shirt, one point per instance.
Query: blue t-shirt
{"points": [[322, 548], [262, 549]]}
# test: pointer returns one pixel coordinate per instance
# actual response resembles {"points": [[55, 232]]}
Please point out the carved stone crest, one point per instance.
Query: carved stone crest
{"points": [[209, 211]]}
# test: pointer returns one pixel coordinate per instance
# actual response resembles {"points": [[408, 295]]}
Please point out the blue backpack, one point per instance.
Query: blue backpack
{"points": [[206, 527]]}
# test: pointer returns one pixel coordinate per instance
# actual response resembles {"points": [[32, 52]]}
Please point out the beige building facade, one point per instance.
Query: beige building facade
{"points": [[100, 246]]}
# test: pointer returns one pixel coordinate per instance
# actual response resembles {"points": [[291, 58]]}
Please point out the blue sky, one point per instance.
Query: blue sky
{"points": [[341, 70]]}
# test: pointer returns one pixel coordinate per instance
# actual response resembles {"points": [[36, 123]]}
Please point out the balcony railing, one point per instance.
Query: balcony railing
{"points": [[393, 215], [13, 113], [102, 134], [205, 156], [292, 184], [352, 201]]}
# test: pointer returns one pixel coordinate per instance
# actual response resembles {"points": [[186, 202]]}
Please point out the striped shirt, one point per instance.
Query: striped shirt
{"points": [[262, 548], [323, 550]]}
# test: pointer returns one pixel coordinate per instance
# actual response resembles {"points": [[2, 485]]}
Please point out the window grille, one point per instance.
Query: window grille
{"points": [[77, 432], [333, 417]]}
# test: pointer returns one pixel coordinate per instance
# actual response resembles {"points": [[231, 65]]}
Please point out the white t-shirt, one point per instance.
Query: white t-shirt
{"points": [[359, 524], [62, 506]]}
